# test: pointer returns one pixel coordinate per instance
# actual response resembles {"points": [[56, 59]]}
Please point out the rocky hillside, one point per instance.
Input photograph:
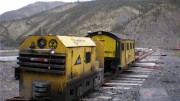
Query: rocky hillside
{"points": [[159, 27], [29, 10], [151, 24]]}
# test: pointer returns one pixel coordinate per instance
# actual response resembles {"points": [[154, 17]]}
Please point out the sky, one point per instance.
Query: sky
{"points": [[8, 5]]}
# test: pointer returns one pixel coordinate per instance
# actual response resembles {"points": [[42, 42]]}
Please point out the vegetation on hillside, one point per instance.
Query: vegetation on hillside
{"points": [[138, 19]]}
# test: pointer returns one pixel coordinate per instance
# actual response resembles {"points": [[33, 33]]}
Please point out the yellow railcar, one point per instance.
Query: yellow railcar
{"points": [[58, 68], [118, 51], [62, 68], [127, 52]]}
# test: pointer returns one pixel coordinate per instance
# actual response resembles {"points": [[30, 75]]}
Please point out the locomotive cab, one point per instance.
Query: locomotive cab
{"points": [[57, 67]]}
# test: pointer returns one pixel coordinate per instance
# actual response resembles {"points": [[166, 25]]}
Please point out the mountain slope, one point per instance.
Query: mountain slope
{"points": [[159, 27], [29, 10], [136, 19]]}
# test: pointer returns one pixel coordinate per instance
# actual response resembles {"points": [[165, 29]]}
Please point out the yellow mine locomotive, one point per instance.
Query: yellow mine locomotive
{"points": [[118, 51], [58, 68], [62, 68]]}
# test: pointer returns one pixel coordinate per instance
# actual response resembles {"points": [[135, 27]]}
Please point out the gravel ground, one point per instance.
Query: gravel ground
{"points": [[8, 85], [167, 77], [113, 95]]}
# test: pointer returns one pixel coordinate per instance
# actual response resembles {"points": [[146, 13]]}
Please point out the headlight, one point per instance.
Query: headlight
{"points": [[52, 51], [41, 43]]}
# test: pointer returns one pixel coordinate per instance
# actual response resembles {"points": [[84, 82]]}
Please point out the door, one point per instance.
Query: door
{"points": [[88, 68], [77, 62], [123, 53]]}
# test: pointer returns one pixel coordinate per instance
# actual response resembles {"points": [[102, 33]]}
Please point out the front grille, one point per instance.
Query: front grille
{"points": [[42, 62]]}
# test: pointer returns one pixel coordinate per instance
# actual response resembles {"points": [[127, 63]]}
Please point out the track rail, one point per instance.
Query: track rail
{"points": [[130, 78], [123, 80]]}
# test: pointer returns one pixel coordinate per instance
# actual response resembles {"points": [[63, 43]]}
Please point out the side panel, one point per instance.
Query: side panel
{"points": [[123, 53], [88, 59], [109, 45], [129, 51], [93, 59], [100, 53], [132, 51], [69, 65], [77, 62], [83, 59]]}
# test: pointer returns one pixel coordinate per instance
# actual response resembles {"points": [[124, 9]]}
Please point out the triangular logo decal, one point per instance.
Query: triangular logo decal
{"points": [[78, 61]]}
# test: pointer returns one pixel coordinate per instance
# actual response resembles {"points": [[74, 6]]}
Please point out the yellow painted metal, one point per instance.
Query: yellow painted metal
{"points": [[69, 63], [27, 77], [88, 65], [33, 39], [58, 82], [123, 54], [100, 53], [127, 55], [96, 65], [70, 41], [75, 66], [109, 45], [132, 51], [93, 60], [129, 52], [67, 41], [77, 69]]}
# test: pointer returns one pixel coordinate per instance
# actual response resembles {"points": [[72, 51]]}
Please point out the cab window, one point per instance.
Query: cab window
{"points": [[88, 57], [127, 46], [122, 46], [130, 45]]}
